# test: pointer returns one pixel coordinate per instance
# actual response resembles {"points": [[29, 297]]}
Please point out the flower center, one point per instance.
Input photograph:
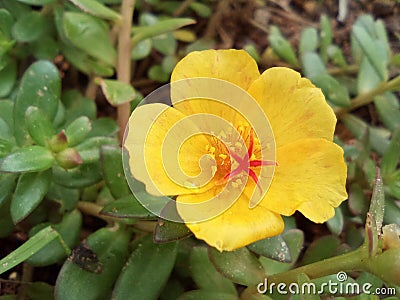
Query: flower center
{"points": [[248, 162]]}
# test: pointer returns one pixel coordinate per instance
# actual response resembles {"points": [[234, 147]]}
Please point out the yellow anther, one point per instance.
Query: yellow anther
{"points": [[222, 134], [222, 156]]}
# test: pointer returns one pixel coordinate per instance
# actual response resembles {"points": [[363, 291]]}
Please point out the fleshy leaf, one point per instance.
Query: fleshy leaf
{"points": [[209, 295], [89, 34], [388, 110], [97, 9], [117, 92], [377, 207], [113, 171], [41, 87], [36, 2], [27, 159], [8, 77], [239, 266], [320, 249], [30, 191], [206, 276], [391, 157], [326, 35], [78, 130], [69, 229], [371, 51], [308, 40], [274, 248], [29, 27], [168, 231], [281, 46], [143, 32], [127, 207], [8, 182], [151, 265], [83, 176], [336, 224], [110, 249], [39, 126]]}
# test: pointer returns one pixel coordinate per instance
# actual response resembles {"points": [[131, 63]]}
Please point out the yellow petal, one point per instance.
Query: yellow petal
{"points": [[238, 226], [295, 108], [310, 177], [163, 153], [235, 66]]}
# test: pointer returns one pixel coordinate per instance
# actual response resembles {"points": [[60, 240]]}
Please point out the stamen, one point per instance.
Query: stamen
{"points": [[257, 163], [251, 143], [245, 163]]}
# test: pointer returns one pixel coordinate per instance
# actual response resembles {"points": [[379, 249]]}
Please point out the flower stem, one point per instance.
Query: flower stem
{"points": [[366, 98], [124, 59], [93, 209], [351, 261]]}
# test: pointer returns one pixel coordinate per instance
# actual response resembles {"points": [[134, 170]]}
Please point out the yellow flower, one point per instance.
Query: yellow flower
{"points": [[254, 169]]}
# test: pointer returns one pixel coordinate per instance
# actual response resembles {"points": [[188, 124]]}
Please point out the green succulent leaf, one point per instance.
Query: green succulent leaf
{"points": [[141, 33], [281, 46], [39, 126], [41, 87], [274, 248], [206, 276], [77, 131], [83, 176], [110, 248], [36, 2], [27, 159], [326, 36], [8, 182], [209, 295], [168, 231], [239, 266], [151, 265], [29, 27], [371, 51], [6, 23], [127, 207], [117, 92], [142, 49], [308, 40], [388, 110], [8, 78], [29, 192], [113, 171], [391, 157], [97, 9], [69, 229], [90, 35]]}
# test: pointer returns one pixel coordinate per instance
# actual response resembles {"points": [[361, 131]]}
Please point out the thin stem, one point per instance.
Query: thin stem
{"points": [[366, 98], [124, 59], [92, 209], [351, 261], [185, 4], [351, 69], [27, 275], [91, 88]]}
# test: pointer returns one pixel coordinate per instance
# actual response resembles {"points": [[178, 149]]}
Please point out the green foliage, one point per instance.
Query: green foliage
{"points": [[60, 156]]}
